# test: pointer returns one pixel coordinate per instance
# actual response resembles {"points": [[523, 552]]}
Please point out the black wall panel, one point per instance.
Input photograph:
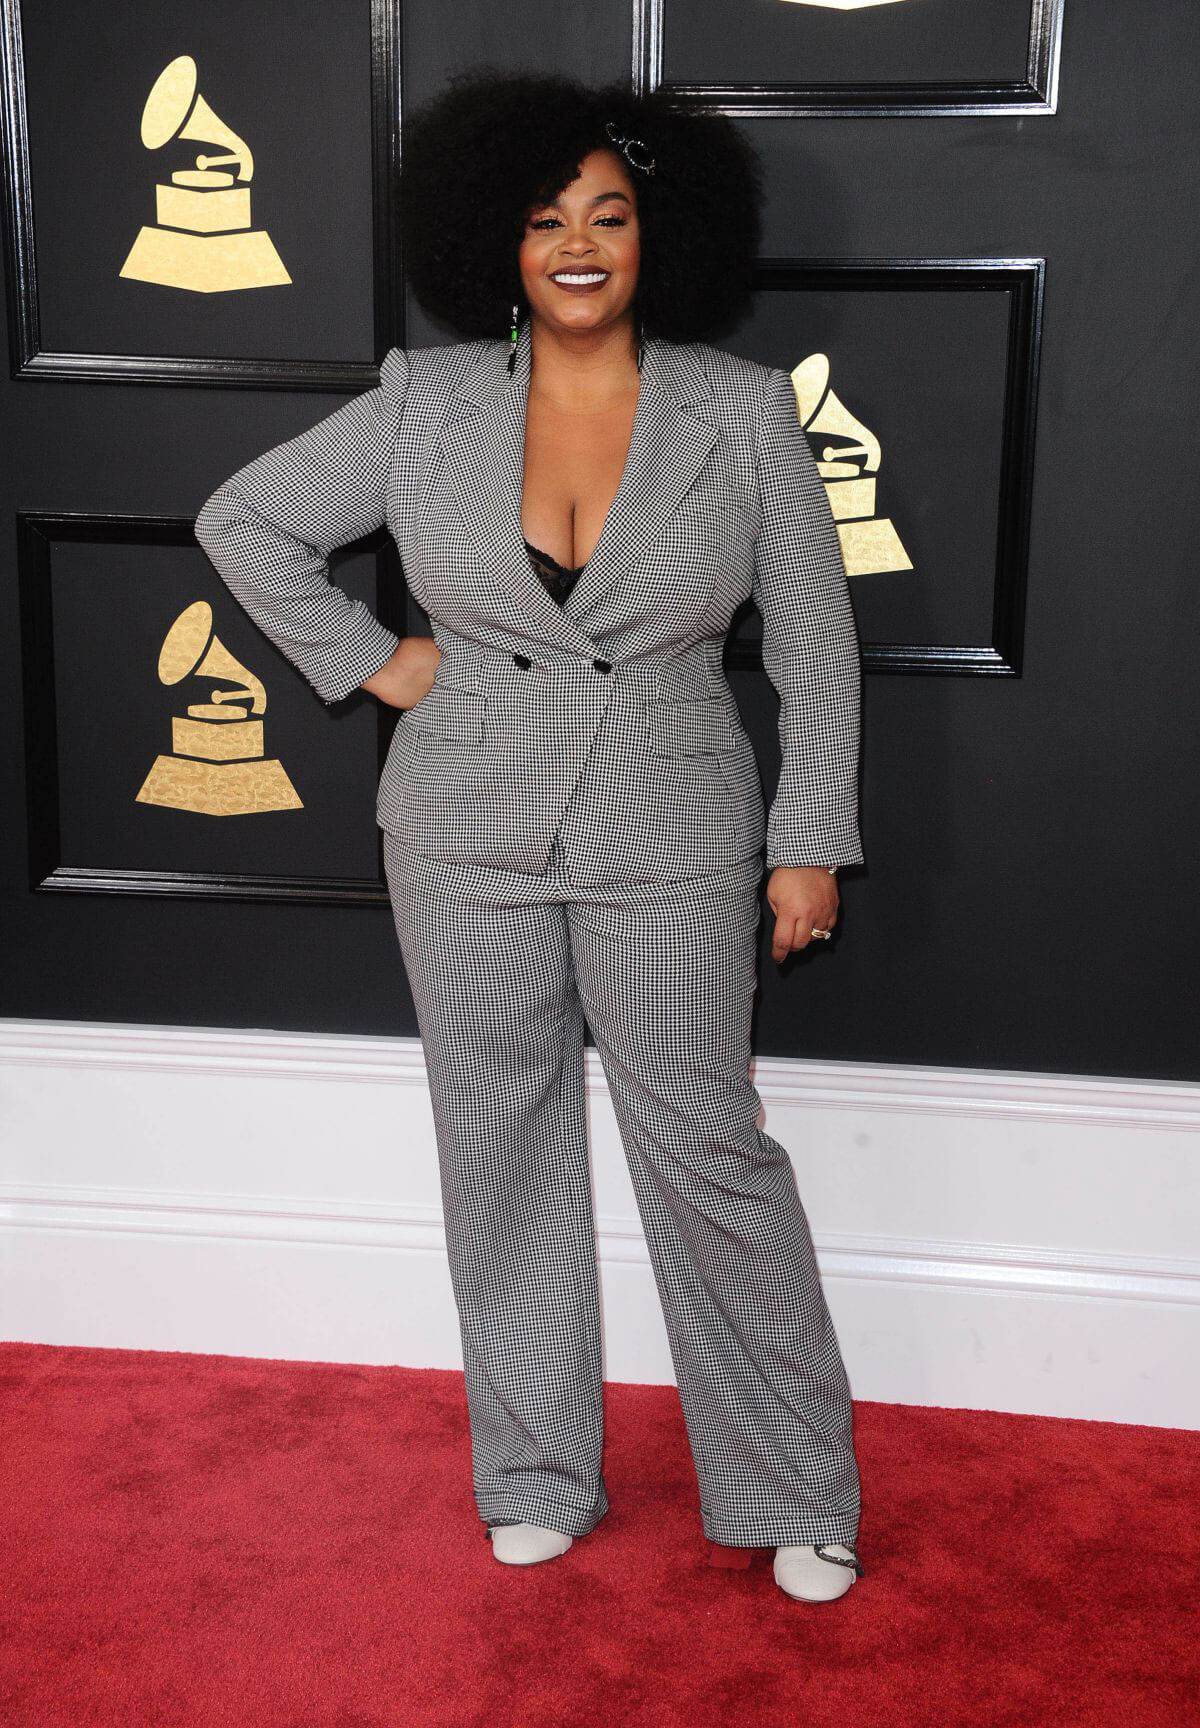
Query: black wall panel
{"points": [[1029, 899]]}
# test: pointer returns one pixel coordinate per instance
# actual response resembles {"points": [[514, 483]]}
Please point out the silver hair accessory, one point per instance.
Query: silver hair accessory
{"points": [[642, 160]]}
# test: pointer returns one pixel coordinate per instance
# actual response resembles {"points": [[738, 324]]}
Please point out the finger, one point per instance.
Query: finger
{"points": [[778, 946], [826, 918], [783, 937]]}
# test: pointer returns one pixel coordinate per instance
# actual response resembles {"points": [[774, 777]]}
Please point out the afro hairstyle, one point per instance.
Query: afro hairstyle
{"points": [[492, 146]]}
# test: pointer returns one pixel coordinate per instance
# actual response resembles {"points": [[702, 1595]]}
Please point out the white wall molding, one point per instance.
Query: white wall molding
{"points": [[987, 1238], [362, 1224], [999, 1093], [996, 1092]]}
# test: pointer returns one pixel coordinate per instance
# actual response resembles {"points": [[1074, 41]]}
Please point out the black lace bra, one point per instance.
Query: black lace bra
{"points": [[558, 579]]}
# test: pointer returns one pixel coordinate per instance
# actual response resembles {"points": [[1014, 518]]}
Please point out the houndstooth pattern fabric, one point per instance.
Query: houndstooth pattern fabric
{"points": [[606, 720], [573, 825], [505, 969]]}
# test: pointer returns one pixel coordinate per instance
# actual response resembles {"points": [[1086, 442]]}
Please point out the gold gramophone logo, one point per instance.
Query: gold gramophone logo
{"points": [[843, 5], [216, 766], [870, 544], [202, 238]]}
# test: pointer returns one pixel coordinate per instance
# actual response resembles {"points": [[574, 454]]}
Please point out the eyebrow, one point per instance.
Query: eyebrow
{"points": [[600, 198]]}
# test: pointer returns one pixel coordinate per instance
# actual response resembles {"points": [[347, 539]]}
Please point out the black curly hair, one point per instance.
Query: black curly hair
{"points": [[493, 145]]}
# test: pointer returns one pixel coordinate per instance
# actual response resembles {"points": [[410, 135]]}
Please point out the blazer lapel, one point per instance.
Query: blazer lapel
{"points": [[484, 449], [670, 443]]}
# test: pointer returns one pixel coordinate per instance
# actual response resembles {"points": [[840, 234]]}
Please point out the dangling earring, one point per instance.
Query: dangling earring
{"points": [[641, 342], [512, 336]]}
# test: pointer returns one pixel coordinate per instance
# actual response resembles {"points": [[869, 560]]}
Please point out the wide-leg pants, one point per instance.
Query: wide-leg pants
{"points": [[504, 969]]}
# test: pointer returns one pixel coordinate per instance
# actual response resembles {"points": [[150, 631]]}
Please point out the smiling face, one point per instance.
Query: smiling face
{"points": [[580, 253]]}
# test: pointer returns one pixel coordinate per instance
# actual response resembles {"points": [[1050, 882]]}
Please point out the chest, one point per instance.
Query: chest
{"points": [[573, 468]]}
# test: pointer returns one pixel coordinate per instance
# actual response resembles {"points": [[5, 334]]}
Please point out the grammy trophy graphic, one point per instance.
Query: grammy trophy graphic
{"points": [[202, 239], [870, 543], [216, 766], [843, 5]]}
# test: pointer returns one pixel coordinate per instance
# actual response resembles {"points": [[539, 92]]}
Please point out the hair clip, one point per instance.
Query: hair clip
{"points": [[627, 146]]}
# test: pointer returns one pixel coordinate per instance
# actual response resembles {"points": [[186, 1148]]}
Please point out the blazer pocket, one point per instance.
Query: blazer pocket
{"points": [[696, 728], [448, 711]]}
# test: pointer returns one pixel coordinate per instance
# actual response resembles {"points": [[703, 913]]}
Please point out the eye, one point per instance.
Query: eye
{"points": [[550, 222]]}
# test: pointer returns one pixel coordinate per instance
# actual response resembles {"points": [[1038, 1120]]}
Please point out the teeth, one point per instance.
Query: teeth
{"points": [[579, 276]]}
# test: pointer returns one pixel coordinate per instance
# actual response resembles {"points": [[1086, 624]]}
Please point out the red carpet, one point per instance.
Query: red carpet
{"points": [[202, 1540]]}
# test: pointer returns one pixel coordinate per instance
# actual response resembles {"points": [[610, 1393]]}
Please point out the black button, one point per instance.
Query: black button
{"points": [[602, 665], [521, 661]]}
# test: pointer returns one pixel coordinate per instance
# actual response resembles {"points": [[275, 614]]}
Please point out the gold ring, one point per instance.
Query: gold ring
{"points": [[825, 933]]}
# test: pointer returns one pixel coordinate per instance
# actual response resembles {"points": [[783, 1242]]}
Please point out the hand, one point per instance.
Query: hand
{"points": [[803, 898], [408, 675]]}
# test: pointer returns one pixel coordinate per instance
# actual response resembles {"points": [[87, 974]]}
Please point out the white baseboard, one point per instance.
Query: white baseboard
{"points": [[987, 1239]]}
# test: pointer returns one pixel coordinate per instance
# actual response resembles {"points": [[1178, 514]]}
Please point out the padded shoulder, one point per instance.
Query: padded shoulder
{"points": [[393, 375], [733, 373], [447, 362]]}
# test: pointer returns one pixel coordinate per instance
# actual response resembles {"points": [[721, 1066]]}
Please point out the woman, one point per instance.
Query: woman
{"points": [[583, 491]]}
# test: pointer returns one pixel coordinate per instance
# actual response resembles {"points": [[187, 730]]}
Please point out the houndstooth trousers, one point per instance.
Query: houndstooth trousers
{"points": [[505, 968]]}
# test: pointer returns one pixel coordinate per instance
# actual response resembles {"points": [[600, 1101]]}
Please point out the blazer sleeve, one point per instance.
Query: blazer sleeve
{"points": [[810, 646], [269, 530]]}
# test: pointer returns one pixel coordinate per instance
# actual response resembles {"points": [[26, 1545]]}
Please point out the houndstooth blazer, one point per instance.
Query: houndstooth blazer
{"points": [[607, 717]]}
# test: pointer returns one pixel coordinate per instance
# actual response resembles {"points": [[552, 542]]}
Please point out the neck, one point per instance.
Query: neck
{"points": [[585, 367]]}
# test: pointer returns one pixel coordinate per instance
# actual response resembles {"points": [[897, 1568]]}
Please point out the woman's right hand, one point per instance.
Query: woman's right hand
{"points": [[408, 675]]}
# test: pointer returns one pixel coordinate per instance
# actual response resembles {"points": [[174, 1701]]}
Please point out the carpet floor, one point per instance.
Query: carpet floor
{"points": [[217, 1540]]}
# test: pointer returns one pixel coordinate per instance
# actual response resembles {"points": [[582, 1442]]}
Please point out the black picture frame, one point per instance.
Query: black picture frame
{"points": [[1035, 93], [1023, 280], [29, 359], [37, 533]]}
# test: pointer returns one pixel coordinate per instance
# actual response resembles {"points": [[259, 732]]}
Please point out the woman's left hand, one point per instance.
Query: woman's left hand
{"points": [[803, 898]]}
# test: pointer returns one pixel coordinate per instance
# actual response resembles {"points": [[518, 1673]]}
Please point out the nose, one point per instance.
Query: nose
{"points": [[574, 244]]}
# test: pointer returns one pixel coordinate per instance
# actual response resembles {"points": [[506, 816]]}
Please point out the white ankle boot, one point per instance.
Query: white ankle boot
{"points": [[525, 1544], [816, 1572]]}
